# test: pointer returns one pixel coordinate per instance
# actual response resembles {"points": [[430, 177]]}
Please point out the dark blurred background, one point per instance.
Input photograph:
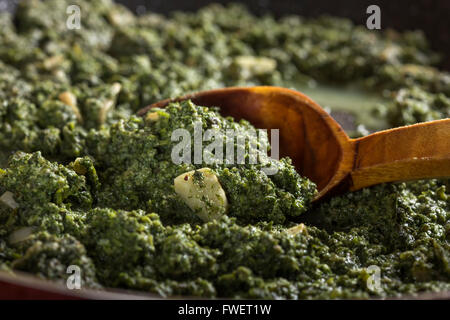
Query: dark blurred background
{"points": [[431, 16]]}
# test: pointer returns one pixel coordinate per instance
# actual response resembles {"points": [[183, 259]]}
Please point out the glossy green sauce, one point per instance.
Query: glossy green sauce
{"points": [[84, 182], [359, 103]]}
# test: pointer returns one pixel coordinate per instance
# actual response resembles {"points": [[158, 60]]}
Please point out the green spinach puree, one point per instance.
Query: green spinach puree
{"points": [[85, 182]]}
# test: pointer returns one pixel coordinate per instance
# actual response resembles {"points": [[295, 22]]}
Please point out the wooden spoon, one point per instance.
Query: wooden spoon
{"points": [[322, 151]]}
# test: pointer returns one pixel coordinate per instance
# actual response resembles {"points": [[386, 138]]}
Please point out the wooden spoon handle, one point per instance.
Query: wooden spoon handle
{"points": [[413, 152]]}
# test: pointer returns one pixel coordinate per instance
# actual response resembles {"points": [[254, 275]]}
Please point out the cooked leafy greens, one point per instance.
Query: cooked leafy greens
{"points": [[83, 181]]}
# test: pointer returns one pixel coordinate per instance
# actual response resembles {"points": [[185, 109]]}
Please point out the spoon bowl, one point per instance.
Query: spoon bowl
{"points": [[319, 147]]}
